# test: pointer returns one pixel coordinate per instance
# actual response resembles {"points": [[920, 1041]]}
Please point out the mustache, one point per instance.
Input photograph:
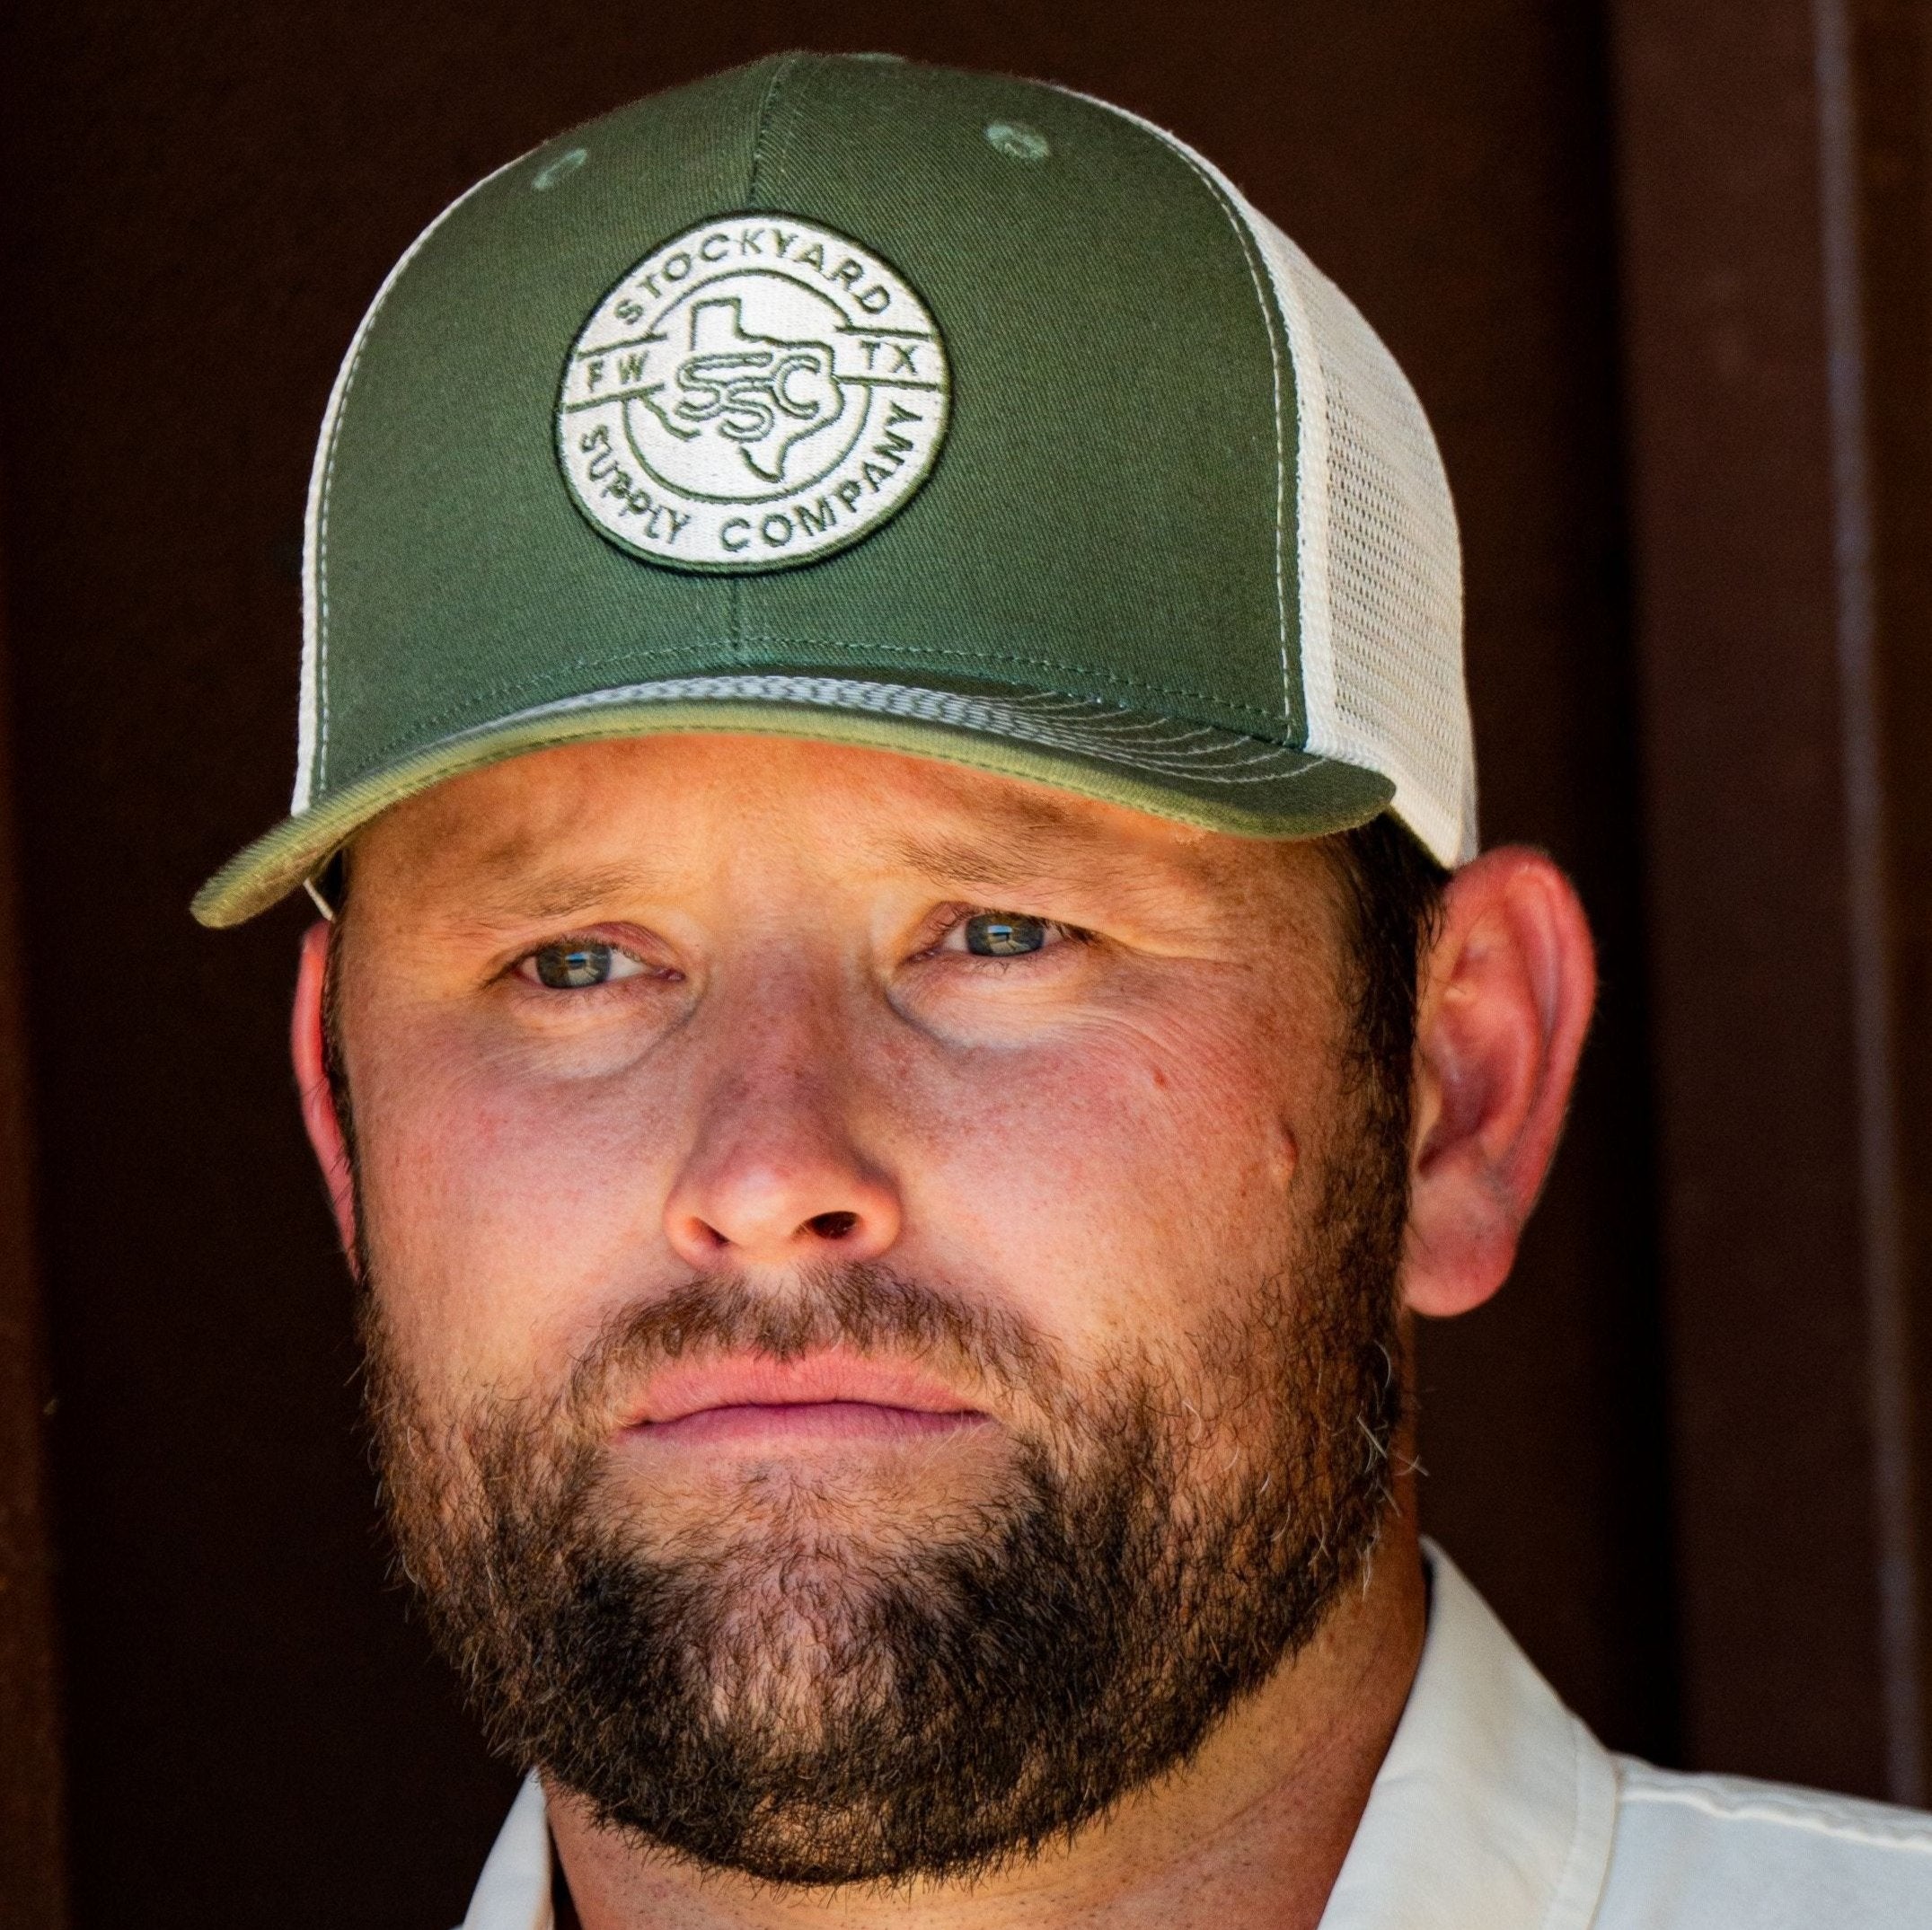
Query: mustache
{"points": [[862, 1307]]}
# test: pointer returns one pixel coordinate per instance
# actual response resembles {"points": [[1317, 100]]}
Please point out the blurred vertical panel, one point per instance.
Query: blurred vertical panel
{"points": [[1889, 46], [1892, 66], [1774, 220], [32, 1876]]}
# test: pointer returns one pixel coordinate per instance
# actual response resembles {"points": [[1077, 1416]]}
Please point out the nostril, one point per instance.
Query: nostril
{"points": [[831, 1226]]}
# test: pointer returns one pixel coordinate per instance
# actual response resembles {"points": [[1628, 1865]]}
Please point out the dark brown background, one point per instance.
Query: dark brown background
{"points": [[1659, 270]]}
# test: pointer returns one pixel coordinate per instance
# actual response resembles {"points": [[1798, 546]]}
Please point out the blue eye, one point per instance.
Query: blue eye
{"points": [[577, 964], [1004, 934]]}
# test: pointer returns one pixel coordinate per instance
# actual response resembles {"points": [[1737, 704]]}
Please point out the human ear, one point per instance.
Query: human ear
{"points": [[1506, 998], [305, 1042]]}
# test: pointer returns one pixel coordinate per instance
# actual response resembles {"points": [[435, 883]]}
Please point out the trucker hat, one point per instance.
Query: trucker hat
{"points": [[852, 399]]}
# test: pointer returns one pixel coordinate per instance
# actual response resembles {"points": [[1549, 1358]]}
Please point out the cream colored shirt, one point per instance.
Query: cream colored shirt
{"points": [[1496, 1810]]}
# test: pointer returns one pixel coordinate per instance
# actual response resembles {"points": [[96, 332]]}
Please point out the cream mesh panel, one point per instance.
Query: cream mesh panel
{"points": [[1380, 563], [1377, 559]]}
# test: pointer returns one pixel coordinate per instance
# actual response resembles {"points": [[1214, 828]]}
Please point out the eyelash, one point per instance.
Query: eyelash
{"points": [[961, 916], [524, 967]]}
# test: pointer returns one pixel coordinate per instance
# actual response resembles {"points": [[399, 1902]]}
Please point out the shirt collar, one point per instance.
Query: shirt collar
{"points": [[1495, 1806], [513, 1893]]}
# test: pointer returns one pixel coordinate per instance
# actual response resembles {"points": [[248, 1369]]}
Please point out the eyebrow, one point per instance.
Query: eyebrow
{"points": [[1015, 855], [508, 897]]}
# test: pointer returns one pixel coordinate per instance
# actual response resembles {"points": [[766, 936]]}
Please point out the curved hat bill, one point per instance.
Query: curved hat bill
{"points": [[1191, 774]]}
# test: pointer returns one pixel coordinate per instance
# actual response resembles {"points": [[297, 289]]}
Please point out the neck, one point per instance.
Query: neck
{"points": [[1252, 1832]]}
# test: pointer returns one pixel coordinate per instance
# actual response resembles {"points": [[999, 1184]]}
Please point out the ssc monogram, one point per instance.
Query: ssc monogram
{"points": [[756, 393]]}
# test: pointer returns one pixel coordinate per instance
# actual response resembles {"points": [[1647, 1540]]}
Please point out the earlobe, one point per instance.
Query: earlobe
{"points": [[307, 1048], [1507, 994]]}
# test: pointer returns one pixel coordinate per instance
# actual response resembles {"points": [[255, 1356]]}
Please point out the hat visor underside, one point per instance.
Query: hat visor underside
{"points": [[1193, 774]]}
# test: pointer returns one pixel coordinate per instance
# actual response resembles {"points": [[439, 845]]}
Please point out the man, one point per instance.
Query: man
{"points": [[907, 1013]]}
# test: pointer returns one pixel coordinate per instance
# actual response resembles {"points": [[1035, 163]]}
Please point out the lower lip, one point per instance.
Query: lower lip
{"points": [[807, 1421]]}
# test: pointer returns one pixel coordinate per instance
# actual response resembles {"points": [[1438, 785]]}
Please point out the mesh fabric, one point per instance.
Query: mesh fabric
{"points": [[1380, 563]]}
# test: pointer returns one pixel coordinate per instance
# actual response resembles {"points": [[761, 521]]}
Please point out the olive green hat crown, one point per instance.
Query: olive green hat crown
{"points": [[852, 399]]}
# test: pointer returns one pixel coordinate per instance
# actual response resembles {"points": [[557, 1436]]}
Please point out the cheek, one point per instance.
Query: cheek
{"points": [[1122, 1183], [503, 1213]]}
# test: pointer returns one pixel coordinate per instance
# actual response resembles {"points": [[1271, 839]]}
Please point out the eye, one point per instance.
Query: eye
{"points": [[1003, 934], [574, 965]]}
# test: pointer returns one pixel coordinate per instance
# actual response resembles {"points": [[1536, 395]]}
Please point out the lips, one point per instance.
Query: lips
{"points": [[825, 1395]]}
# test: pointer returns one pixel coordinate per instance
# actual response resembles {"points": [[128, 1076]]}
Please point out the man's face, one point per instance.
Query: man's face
{"points": [[881, 1282]]}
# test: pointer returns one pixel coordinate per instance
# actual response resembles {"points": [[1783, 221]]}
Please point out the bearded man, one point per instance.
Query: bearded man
{"points": [[906, 1013]]}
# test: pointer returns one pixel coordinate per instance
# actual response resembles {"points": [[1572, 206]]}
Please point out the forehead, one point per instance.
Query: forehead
{"points": [[654, 811]]}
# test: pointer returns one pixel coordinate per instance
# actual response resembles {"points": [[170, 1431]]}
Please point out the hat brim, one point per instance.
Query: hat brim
{"points": [[1194, 774]]}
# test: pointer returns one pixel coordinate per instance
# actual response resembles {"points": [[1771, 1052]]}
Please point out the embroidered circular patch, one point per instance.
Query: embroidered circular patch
{"points": [[757, 392]]}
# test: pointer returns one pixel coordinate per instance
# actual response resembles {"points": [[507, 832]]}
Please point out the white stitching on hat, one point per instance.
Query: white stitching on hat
{"points": [[1053, 720], [311, 753], [1220, 190], [1245, 242]]}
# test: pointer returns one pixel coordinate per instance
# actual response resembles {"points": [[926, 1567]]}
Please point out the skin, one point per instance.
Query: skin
{"points": [[806, 1064]]}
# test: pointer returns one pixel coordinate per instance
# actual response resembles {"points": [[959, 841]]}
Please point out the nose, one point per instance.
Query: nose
{"points": [[776, 1176]]}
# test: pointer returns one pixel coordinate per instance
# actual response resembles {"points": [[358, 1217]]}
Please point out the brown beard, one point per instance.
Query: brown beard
{"points": [[928, 1699]]}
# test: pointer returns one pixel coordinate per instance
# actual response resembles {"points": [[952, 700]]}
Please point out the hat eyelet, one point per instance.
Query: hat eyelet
{"points": [[1016, 141], [553, 172]]}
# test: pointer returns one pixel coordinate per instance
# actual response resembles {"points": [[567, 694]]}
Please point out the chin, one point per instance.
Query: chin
{"points": [[865, 1510]]}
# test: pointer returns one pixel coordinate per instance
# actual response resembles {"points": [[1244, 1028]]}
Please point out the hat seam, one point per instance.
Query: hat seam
{"points": [[911, 653], [322, 565], [1221, 195], [511, 687], [767, 109], [337, 418], [1090, 742], [1245, 242]]}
